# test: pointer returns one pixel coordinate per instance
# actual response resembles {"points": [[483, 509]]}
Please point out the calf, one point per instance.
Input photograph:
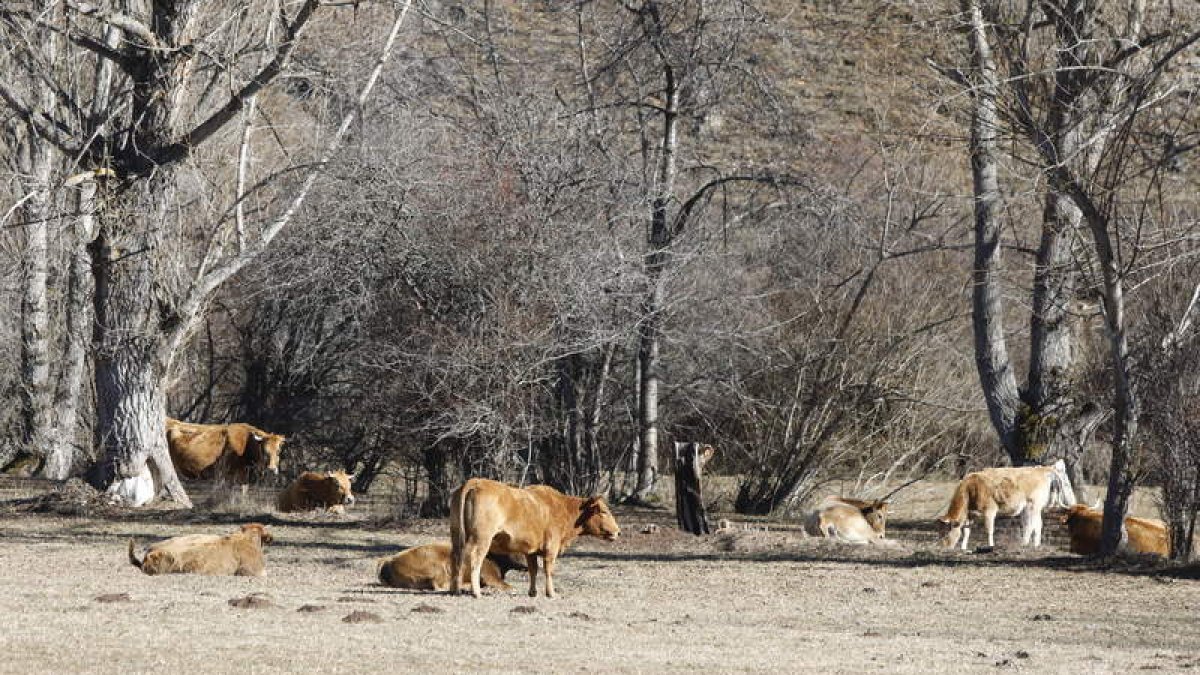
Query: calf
{"points": [[1006, 491], [427, 568], [1142, 535], [854, 521], [314, 490], [487, 516], [240, 553]]}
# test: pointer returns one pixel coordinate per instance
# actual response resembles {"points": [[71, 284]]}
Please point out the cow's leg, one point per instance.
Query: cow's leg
{"points": [[476, 554], [1036, 521], [531, 561], [989, 526], [966, 534], [456, 562], [1026, 525], [549, 572]]}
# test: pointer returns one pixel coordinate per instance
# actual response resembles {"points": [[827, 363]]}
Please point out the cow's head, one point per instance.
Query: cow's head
{"points": [[950, 531], [337, 488], [875, 514], [596, 519], [258, 530], [269, 446]]}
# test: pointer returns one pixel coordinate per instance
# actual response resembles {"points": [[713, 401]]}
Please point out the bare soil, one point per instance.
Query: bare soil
{"points": [[745, 599]]}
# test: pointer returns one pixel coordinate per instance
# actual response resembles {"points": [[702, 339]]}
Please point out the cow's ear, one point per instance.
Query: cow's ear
{"points": [[349, 476]]}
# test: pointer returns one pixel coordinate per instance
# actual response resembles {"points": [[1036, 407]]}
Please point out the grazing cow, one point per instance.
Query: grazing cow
{"points": [[235, 450], [312, 490], [1007, 491], [240, 553], [853, 521], [427, 568], [1142, 535], [487, 516]]}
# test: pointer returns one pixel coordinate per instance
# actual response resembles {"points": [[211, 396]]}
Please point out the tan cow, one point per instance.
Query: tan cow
{"points": [[1006, 491], [234, 450], [427, 568], [854, 521], [487, 516], [1142, 535], [240, 553], [312, 490]]}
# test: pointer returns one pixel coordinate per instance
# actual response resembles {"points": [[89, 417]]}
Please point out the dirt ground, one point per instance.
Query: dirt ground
{"points": [[737, 601]]}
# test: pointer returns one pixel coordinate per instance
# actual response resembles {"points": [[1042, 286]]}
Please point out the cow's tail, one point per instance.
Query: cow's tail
{"points": [[133, 559], [458, 528]]}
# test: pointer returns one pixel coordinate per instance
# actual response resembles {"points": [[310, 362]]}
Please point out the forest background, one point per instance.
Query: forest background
{"points": [[542, 241]]}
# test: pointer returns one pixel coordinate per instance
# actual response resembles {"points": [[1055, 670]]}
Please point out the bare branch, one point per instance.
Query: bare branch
{"points": [[227, 112]]}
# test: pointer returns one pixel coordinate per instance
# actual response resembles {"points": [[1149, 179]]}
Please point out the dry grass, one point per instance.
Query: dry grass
{"points": [[741, 600]]}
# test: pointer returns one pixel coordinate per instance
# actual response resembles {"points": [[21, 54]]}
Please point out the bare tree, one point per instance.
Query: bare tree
{"points": [[147, 142], [1082, 124]]}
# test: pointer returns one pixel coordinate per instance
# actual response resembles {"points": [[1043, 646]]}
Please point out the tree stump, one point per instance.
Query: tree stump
{"points": [[690, 459]]}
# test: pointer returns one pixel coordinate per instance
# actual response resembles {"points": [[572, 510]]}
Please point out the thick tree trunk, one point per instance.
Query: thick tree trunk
{"points": [[131, 333], [991, 351]]}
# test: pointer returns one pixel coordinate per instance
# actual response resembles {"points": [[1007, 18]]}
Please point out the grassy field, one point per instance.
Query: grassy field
{"points": [[747, 599]]}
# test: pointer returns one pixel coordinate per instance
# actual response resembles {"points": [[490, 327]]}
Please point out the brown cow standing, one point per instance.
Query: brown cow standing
{"points": [[312, 490], [487, 516], [427, 568], [1142, 535], [240, 553], [235, 450]]}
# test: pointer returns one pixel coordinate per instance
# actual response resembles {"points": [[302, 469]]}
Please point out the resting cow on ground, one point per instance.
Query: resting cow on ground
{"points": [[427, 568], [312, 490], [854, 521], [235, 451], [240, 553], [1142, 535], [1006, 491], [487, 516]]}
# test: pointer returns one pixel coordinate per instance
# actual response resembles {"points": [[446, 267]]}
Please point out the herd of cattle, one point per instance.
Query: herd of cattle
{"points": [[495, 527]]}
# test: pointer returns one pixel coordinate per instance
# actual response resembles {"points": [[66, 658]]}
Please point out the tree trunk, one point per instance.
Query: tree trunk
{"points": [[648, 349], [437, 501], [37, 393], [64, 446], [130, 336], [657, 263], [991, 351], [690, 513]]}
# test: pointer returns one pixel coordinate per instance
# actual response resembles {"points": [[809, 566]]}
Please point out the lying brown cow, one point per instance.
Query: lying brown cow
{"points": [[427, 568], [854, 521], [240, 553], [312, 490], [1142, 535], [486, 516], [235, 451]]}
